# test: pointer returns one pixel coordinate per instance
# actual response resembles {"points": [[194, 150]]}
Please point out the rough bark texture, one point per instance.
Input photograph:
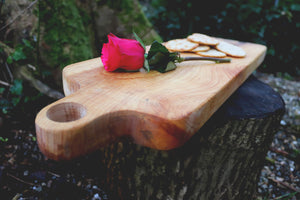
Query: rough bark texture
{"points": [[70, 31], [120, 17], [222, 161]]}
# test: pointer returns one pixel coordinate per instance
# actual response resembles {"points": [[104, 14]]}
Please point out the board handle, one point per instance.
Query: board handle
{"points": [[66, 112], [70, 128]]}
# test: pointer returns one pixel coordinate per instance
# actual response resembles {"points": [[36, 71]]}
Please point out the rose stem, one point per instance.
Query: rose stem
{"points": [[217, 60]]}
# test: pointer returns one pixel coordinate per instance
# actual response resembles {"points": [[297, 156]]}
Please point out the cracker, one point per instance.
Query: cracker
{"points": [[201, 48], [202, 39], [212, 53], [231, 50], [180, 45]]}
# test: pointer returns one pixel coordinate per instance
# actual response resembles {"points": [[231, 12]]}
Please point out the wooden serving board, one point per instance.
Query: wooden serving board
{"points": [[157, 110]]}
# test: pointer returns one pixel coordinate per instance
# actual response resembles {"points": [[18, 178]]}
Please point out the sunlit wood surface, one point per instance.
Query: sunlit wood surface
{"points": [[160, 111]]}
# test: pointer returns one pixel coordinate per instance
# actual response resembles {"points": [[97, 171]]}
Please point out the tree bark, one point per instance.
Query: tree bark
{"points": [[70, 31], [222, 161], [73, 30], [120, 17]]}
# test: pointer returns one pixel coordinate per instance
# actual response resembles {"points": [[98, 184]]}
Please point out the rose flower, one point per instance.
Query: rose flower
{"points": [[121, 53]]}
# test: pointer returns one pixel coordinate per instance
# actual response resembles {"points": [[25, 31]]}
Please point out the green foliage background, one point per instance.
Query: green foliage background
{"points": [[273, 23], [64, 32]]}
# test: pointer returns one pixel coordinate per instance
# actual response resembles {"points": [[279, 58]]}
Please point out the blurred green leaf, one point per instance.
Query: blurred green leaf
{"points": [[287, 196], [157, 58], [139, 40], [3, 139], [161, 59], [15, 101], [146, 65], [155, 48], [17, 87], [171, 66], [18, 54], [295, 7], [9, 59], [27, 44], [4, 110]]}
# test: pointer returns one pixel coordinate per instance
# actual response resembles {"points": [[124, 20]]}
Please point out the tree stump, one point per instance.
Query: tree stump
{"points": [[222, 161]]}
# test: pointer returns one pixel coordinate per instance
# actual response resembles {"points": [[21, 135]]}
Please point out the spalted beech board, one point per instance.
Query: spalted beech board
{"points": [[157, 110]]}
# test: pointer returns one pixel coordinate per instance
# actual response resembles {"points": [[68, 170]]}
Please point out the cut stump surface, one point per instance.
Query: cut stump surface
{"points": [[223, 160]]}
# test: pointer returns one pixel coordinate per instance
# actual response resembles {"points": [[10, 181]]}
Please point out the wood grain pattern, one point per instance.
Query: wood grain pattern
{"points": [[160, 111]]}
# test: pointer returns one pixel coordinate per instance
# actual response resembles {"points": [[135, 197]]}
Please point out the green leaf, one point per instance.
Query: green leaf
{"points": [[27, 43], [157, 47], [139, 40], [287, 196], [27, 99], [171, 66], [295, 7], [4, 105], [2, 90], [3, 139], [161, 59], [4, 110], [9, 59], [166, 67], [146, 65], [18, 54], [15, 101], [158, 58], [17, 87]]}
